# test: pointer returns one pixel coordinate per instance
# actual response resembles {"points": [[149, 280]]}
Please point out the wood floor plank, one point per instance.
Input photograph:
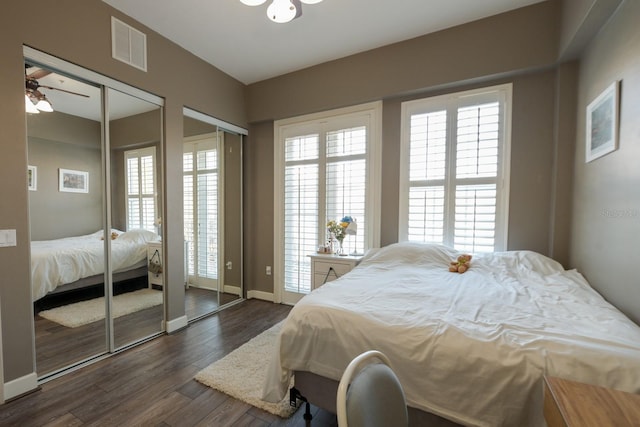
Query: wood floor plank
{"points": [[198, 408], [67, 420], [225, 415], [152, 384], [157, 411]]}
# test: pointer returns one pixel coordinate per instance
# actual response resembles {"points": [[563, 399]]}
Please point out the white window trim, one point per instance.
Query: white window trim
{"points": [[503, 185], [138, 153], [212, 139], [281, 130]]}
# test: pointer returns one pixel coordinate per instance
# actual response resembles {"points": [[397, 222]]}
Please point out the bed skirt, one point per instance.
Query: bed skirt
{"points": [[99, 279]]}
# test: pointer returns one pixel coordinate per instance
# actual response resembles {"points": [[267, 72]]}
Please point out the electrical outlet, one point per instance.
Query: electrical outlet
{"points": [[229, 265], [268, 270]]}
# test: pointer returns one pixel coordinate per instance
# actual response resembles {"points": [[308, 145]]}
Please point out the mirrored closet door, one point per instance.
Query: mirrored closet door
{"points": [[212, 177], [94, 203], [135, 137], [66, 213]]}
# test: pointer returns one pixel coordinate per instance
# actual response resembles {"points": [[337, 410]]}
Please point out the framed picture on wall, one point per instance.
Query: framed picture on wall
{"points": [[74, 181], [602, 123], [32, 177]]}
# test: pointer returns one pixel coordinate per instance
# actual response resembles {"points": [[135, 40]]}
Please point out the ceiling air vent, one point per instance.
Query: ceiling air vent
{"points": [[128, 44]]}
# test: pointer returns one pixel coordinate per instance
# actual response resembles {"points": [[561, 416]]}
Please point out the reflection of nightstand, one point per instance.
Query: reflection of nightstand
{"points": [[154, 254], [326, 267], [569, 403]]}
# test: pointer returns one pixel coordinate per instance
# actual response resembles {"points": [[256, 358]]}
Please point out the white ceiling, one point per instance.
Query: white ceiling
{"points": [[241, 41]]}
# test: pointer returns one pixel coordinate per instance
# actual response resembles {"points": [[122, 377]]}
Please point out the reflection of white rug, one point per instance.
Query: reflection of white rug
{"points": [[82, 313], [241, 373]]}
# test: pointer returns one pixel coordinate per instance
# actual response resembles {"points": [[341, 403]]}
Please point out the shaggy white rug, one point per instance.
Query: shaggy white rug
{"points": [[85, 312], [241, 373]]}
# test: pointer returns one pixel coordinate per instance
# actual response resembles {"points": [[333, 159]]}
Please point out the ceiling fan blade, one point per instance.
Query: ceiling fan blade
{"points": [[63, 90], [38, 74]]}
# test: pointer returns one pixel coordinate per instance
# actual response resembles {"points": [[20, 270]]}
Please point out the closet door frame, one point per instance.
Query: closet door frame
{"points": [[104, 82]]}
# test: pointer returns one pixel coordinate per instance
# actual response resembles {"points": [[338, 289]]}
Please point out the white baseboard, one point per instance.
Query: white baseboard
{"points": [[233, 290], [20, 386], [266, 296], [176, 324]]}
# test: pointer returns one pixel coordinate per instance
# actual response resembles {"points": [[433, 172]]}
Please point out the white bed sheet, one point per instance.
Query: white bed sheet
{"points": [[469, 347], [61, 261]]}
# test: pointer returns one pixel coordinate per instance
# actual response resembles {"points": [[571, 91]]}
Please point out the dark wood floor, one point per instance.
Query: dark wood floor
{"points": [[152, 384], [58, 347]]}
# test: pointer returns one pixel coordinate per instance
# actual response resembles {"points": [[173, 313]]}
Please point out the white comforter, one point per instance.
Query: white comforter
{"points": [[61, 261], [470, 347]]}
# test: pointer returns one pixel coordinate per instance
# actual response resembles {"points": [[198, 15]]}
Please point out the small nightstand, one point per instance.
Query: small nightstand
{"points": [[154, 278], [570, 403], [328, 267]]}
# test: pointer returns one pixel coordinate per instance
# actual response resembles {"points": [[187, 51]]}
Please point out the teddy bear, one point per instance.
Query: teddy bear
{"points": [[461, 265]]}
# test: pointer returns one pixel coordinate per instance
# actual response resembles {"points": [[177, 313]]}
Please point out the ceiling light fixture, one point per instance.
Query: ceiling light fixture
{"points": [[282, 11], [34, 99], [28, 105], [44, 105]]}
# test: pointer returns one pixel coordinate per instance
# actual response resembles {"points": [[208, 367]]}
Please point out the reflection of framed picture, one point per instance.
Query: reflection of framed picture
{"points": [[74, 181], [602, 123], [32, 177]]}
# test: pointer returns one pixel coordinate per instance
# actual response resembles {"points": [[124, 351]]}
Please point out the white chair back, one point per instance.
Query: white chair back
{"points": [[370, 394]]}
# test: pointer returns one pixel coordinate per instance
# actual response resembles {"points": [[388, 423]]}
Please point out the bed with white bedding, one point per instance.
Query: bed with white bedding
{"points": [[64, 262], [471, 348]]}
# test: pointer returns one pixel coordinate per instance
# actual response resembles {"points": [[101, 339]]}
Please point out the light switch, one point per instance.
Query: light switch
{"points": [[7, 238]]}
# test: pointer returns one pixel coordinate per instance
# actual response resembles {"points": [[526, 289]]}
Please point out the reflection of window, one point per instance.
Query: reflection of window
{"points": [[140, 176], [455, 169], [200, 183]]}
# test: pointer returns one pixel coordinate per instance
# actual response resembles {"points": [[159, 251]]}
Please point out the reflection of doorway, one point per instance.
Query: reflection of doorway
{"points": [[201, 162], [212, 173]]}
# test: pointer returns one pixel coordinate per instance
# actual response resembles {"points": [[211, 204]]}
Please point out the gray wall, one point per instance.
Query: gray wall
{"points": [[55, 214], [606, 211], [87, 42], [518, 47], [57, 140]]}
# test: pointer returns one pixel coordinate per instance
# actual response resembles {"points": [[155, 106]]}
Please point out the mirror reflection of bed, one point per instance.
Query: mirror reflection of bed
{"points": [[68, 245]]}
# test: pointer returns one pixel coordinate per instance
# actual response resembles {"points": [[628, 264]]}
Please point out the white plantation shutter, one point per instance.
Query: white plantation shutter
{"points": [[478, 136], [189, 206], [200, 187], [140, 175], [427, 168], [300, 210], [346, 180], [455, 163], [324, 171]]}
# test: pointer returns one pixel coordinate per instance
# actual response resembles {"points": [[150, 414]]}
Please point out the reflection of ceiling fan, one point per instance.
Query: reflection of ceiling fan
{"points": [[35, 100]]}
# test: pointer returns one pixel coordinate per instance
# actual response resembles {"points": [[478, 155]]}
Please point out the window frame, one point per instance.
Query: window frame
{"points": [[138, 153], [323, 122], [194, 145], [452, 102]]}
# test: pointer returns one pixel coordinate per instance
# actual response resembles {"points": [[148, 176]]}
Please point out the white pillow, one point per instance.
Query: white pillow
{"points": [[139, 235]]}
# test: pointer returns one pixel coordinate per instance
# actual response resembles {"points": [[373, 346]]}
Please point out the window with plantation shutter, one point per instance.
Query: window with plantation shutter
{"points": [[455, 169], [200, 204], [326, 170], [140, 177]]}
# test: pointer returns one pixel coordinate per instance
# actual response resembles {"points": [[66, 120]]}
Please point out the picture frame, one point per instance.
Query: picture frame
{"points": [[602, 123], [32, 177], [73, 181]]}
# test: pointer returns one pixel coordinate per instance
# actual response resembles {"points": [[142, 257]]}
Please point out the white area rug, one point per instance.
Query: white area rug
{"points": [[85, 312], [241, 373]]}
